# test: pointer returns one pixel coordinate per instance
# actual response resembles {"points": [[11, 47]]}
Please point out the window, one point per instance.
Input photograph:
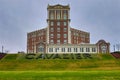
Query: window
{"points": [[51, 35], [87, 49], [63, 49], [93, 49], [58, 23], [40, 49], [65, 11], [65, 41], [56, 49], [74, 33], [52, 23], [32, 47], [51, 14], [65, 24], [81, 49], [82, 39], [69, 49], [52, 29], [51, 41], [65, 29], [65, 17], [50, 49], [58, 41], [33, 35], [58, 14], [77, 34], [65, 35], [83, 35], [58, 35], [75, 49], [65, 14], [58, 29]]}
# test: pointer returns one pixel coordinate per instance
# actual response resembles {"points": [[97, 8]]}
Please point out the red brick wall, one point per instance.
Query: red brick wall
{"points": [[35, 37], [78, 36], [61, 32]]}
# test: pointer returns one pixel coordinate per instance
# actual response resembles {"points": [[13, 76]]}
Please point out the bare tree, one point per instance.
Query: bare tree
{"points": [[118, 47], [114, 47]]}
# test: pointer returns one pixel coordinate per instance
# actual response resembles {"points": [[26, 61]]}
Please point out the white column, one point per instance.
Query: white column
{"points": [[68, 14], [47, 34], [46, 47], [69, 33], [61, 14], [34, 48], [47, 29], [47, 14], [55, 15]]}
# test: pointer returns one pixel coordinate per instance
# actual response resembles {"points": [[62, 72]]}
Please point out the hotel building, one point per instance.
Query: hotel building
{"points": [[60, 37]]}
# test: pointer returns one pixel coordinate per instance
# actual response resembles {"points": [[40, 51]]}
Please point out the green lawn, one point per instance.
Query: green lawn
{"points": [[100, 67], [60, 75]]}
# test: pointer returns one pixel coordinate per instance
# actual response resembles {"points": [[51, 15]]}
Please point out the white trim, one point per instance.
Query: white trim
{"points": [[69, 34], [68, 14], [47, 14], [34, 48], [72, 47], [47, 34], [55, 13]]}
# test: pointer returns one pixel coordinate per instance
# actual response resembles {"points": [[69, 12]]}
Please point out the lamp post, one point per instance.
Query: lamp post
{"points": [[114, 47], [2, 49]]}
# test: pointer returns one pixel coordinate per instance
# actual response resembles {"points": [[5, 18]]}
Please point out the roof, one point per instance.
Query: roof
{"points": [[58, 6], [37, 30], [73, 29]]}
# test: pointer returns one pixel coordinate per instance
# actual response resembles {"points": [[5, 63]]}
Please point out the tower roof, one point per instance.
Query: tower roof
{"points": [[58, 6]]}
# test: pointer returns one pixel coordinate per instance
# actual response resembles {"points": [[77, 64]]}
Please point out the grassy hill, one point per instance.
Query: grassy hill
{"points": [[100, 67], [98, 62]]}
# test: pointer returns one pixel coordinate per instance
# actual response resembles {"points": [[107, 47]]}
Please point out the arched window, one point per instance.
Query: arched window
{"points": [[40, 48]]}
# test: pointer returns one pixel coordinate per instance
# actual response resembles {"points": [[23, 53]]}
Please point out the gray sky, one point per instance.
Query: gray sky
{"points": [[17, 17]]}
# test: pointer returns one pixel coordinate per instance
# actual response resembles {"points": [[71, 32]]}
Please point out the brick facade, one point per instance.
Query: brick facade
{"points": [[58, 31]]}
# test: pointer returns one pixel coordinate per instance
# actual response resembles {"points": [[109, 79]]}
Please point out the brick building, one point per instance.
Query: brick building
{"points": [[58, 32]]}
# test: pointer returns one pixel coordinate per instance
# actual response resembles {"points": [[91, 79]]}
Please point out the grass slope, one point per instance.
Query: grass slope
{"points": [[100, 67], [18, 62]]}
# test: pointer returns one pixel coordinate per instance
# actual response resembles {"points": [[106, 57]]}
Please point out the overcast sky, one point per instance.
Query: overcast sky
{"points": [[17, 17]]}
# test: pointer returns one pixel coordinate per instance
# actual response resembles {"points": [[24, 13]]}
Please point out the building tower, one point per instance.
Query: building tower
{"points": [[58, 37], [58, 30]]}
